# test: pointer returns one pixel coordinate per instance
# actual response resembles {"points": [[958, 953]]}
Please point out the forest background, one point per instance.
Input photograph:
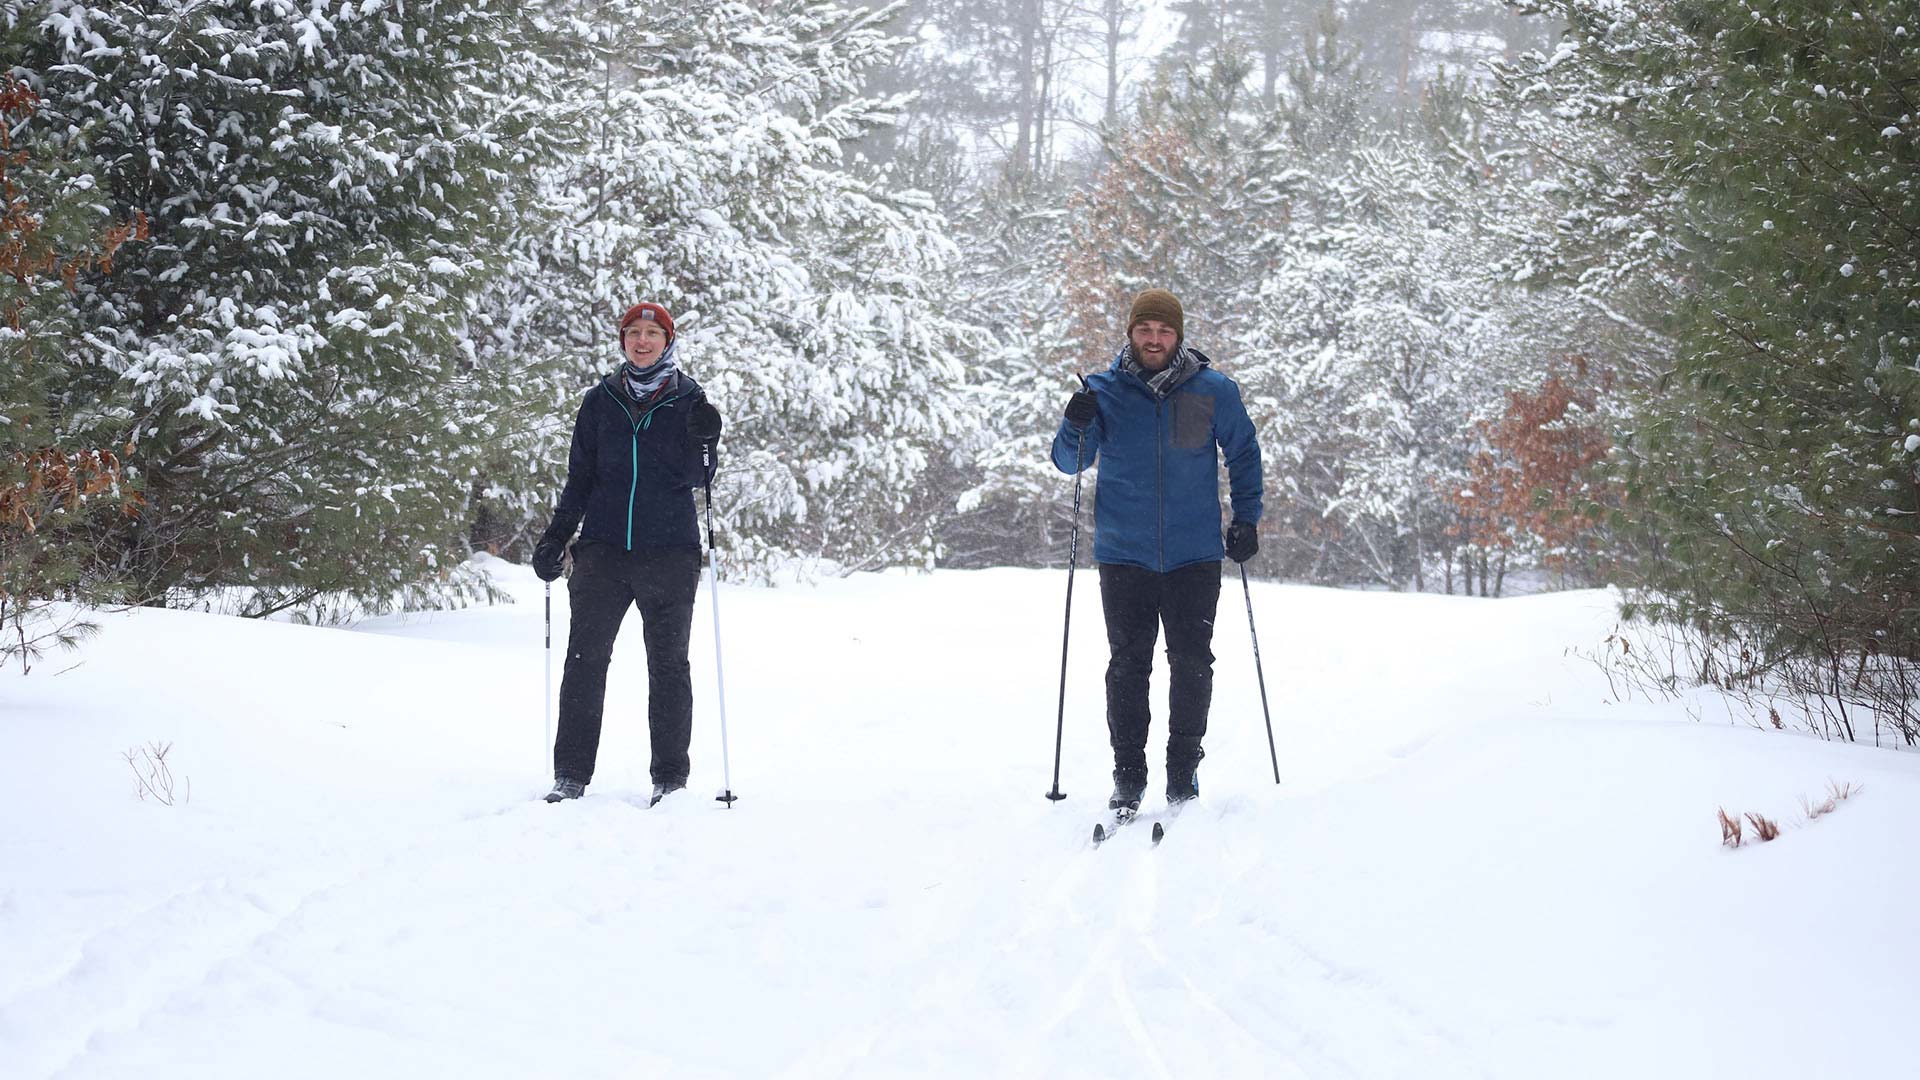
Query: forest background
{"points": [[298, 299]]}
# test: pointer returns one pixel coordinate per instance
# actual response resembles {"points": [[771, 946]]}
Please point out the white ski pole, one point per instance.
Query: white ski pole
{"points": [[713, 590]]}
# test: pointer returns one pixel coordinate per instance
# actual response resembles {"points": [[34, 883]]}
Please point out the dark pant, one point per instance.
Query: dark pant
{"points": [[606, 581], [1136, 602]]}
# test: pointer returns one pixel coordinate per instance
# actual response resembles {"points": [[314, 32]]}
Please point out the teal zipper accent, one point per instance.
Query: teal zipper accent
{"points": [[645, 422], [633, 485]]}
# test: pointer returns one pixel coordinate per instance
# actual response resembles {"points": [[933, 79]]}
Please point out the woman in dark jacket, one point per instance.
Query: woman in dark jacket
{"points": [[643, 440]]}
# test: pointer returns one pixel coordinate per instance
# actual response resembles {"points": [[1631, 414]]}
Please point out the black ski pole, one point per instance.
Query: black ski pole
{"points": [[1066, 631], [713, 589], [546, 708], [1275, 754]]}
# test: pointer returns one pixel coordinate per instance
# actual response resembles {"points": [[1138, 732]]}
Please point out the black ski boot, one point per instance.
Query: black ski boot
{"points": [[661, 791], [566, 787], [1183, 770], [1128, 788], [1183, 784]]}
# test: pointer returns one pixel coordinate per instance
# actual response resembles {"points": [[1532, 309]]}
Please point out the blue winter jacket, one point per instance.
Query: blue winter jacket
{"points": [[633, 468], [1157, 503]]}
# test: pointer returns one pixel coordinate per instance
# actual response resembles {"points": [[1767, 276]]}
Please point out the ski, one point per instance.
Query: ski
{"points": [[1173, 812], [1103, 831]]}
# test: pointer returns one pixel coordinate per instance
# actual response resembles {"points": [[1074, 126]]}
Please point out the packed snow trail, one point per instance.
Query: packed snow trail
{"points": [[1478, 866]]}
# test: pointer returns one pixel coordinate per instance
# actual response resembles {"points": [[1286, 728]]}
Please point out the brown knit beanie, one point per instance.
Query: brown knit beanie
{"points": [[1161, 305]]}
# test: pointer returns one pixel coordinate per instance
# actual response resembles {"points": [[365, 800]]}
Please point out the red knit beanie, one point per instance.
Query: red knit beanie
{"points": [[653, 312]]}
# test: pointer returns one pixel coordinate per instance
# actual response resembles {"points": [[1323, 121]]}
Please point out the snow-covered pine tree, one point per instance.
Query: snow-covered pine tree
{"points": [[1190, 201], [1011, 505], [1366, 371], [59, 491], [1262, 30], [1340, 486], [1384, 334], [286, 359], [711, 175], [1598, 221], [1778, 460]]}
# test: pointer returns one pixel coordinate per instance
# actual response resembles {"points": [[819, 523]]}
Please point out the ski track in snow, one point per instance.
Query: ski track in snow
{"points": [[1432, 895], [1140, 974]]}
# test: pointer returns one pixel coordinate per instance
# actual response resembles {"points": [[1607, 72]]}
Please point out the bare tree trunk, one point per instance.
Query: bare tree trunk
{"points": [[1042, 130], [1419, 552], [1406, 55], [1270, 39], [1029, 32]]}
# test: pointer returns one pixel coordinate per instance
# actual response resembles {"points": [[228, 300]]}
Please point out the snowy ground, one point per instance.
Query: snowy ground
{"points": [[1477, 866]]}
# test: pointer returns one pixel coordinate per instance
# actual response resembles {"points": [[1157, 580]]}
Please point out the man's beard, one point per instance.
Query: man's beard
{"points": [[1155, 359]]}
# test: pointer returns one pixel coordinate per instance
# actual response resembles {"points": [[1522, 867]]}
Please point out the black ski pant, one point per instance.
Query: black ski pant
{"points": [[1136, 602], [606, 582]]}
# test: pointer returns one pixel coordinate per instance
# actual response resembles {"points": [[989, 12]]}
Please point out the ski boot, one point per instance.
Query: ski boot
{"points": [[662, 790], [1183, 785], [1128, 787], [566, 787], [1183, 771]]}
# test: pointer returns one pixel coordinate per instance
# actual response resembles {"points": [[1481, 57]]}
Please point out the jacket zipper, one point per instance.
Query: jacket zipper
{"points": [[645, 421], [1160, 474]]}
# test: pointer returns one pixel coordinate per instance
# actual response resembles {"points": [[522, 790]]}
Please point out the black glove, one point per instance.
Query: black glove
{"points": [[549, 555], [1082, 409], [1243, 540], [703, 423]]}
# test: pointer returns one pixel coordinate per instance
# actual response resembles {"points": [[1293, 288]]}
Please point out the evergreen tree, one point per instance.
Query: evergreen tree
{"points": [[1008, 501], [1372, 367], [1776, 462], [1190, 202], [286, 362], [1386, 336], [711, 175], [1326, 107], [57, 495]]}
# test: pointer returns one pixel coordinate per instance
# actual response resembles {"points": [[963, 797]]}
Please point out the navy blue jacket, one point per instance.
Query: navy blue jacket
{"points": [[633, 468], [1157, 503]]}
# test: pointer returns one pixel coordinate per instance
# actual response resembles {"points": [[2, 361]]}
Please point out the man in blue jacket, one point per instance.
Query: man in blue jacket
{"points": [[644, 438], [1158, 421]]}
